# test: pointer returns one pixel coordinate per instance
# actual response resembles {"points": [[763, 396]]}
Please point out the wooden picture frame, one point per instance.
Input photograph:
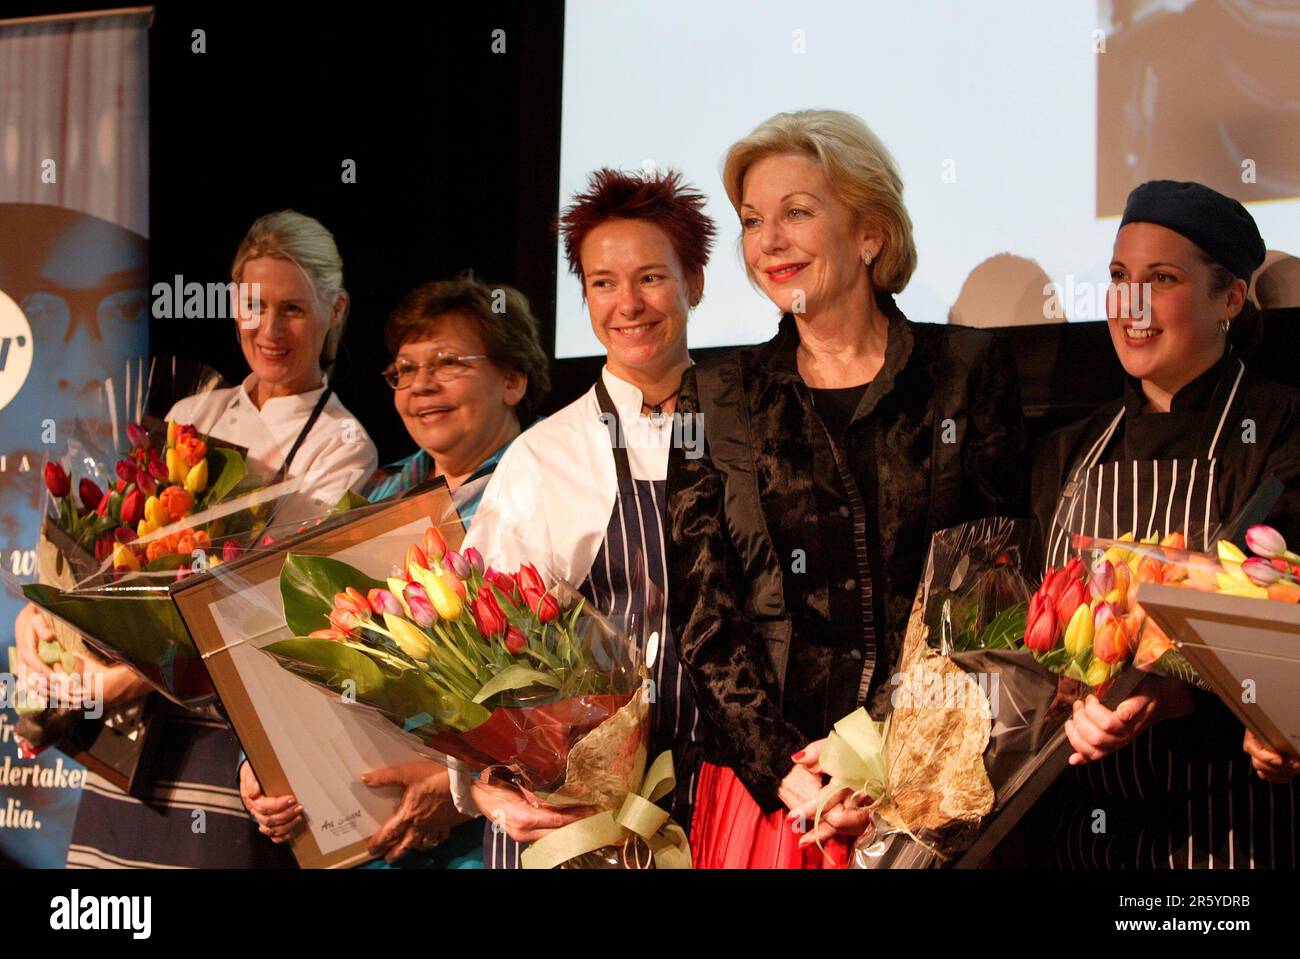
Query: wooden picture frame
{"points": [[299, 739]]}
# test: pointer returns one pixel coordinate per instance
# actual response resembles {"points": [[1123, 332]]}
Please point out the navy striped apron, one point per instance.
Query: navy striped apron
{"points": [[631, 556], [1164, 808]]}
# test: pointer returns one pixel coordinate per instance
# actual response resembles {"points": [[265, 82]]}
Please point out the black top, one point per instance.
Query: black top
{"points": [[779, 625], [836, 406], [1261, 436]]}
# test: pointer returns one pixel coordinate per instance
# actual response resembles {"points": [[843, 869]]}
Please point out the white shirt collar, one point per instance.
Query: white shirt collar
{"points": [[281, 406], [624, 394]]}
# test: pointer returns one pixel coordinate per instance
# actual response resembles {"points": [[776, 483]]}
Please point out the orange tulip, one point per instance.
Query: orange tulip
{"points": [[1111, 642]]}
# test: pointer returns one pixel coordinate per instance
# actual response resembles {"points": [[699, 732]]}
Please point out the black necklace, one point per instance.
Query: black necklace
{"points": [[657, 409]]}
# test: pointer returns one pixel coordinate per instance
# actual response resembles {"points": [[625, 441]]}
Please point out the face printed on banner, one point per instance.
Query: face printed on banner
{"points": [[638, 296], [1175, 336], [466, 406], [283, 329], [800, 243]]}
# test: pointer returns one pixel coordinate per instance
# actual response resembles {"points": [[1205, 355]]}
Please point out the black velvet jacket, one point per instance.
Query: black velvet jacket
{"points": [[764, 551]]}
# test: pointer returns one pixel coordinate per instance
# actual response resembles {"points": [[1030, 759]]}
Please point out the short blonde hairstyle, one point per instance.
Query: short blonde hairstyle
{"points": [[304, 241], [858, 169]]}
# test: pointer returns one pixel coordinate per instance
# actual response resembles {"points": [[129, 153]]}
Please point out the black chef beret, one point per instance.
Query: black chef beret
{"points": [[1218, 224]]}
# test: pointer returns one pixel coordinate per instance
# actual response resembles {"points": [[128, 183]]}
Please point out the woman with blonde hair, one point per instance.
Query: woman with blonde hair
{"points": [[290, 308], [831, 454]]}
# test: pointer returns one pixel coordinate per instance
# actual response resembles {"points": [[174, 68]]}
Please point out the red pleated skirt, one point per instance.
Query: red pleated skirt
{"points": [[730, 831]]}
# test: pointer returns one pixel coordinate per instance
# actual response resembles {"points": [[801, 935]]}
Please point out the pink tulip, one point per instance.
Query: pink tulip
{"points": [[422, 611], [382, 601], [1265, 541], [475, 559], [458, 563], [1261, 571]]}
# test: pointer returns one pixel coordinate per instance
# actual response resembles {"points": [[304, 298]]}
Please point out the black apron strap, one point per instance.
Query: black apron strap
{"points": [[302, 435], [610, 417]]}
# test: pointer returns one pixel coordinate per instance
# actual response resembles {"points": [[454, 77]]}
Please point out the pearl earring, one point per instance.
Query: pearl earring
{"points": [[867, 257]]}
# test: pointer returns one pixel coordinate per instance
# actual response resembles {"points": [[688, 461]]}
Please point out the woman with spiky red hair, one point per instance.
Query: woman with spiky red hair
{"points": [[582, 493]]}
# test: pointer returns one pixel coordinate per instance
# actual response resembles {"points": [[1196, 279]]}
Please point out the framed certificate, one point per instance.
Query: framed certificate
{"points": [[299, 739], [1247, 650]]}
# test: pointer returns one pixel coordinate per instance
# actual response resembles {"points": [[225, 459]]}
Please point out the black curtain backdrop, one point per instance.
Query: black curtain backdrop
{"points": [[457, 166]]}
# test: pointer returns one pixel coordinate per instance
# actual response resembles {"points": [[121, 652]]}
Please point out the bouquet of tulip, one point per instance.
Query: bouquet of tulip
{"points": [[176, 503], [509, 675], [1085, 624]]}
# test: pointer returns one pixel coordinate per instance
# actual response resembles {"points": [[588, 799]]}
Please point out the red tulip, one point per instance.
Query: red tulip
{"points": [[57, 480], [126, 471], [515, 641], [231, 550], [124, 534], [504, 582], [157, 468], [132, 507], [138, 436], [488, 617], [91, 494], [103, 547], [145, 481], [102, 508], [1071, 598], [530, 579], [435, 547], [1042, 629], [1054, 584], [548, 608], [1075, 569]]}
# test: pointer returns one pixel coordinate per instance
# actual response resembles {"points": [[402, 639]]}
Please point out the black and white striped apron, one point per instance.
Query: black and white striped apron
{"points": [[1164, 805], [632, 555]]}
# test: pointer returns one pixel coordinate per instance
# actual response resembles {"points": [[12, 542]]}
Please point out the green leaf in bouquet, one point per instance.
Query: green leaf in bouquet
{"points": [[1055, 659], [308, 585], [144, 631], [515, 677], [1005, 630], [1174, 664], [402, 693], [227, 468]]}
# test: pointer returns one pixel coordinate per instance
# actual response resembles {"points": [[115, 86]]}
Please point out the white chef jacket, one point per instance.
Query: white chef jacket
{"points": [[336, 456], [550, 499]]}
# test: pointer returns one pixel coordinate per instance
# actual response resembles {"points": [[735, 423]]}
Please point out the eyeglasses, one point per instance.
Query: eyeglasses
{"points": [[444, 367]]}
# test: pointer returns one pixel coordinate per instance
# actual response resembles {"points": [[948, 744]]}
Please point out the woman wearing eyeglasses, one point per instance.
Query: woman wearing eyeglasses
{"points": [[465, 378]]}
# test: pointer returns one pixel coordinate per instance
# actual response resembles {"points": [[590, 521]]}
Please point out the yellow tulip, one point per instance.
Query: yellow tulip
{"points": [[1228, 553], [196, 480], [395, 586], [1230, 585], [154, 513], [445, 601], [1078, 634], [145, 528], [123, 558], [171, 433], [1098, 673], [175, 467], [409, 638]]}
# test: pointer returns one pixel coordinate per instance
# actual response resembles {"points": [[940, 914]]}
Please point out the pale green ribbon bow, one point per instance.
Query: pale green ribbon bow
{"points": [[639, 815]]}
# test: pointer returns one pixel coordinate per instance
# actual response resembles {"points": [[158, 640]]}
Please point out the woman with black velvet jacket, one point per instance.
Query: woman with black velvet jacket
{"points": [[831, 454]]}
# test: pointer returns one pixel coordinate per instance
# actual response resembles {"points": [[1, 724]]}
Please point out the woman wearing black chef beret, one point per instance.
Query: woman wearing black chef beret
{"points": [[1193, 437]]}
